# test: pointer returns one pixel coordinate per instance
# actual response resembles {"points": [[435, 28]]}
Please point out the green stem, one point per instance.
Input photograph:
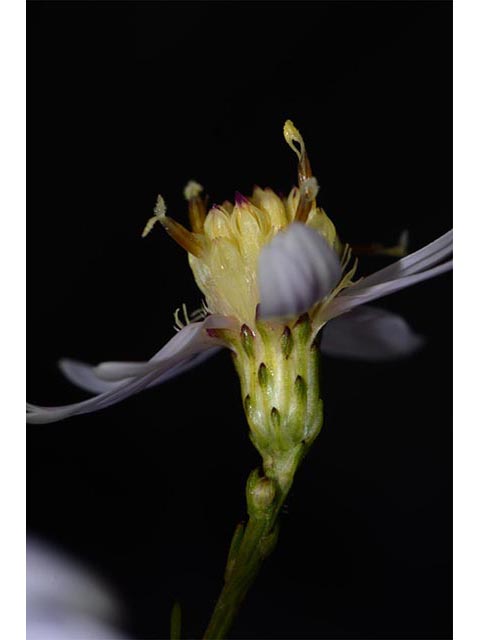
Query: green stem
{"points": [[252, 543]]}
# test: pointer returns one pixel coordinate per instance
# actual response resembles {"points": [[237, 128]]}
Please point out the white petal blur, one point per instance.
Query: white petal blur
{"points": [[296, 269], [84, 375], [369, 334], [65, 599]]}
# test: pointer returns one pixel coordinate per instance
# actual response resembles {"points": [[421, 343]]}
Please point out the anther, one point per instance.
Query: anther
{"points": [[192, 190], [197, 209]]}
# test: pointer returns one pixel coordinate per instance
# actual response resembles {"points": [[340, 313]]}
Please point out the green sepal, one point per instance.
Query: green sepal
{"points": [[302, 329], [248, 340], [301, 389], [286, 342], [263, 376]]}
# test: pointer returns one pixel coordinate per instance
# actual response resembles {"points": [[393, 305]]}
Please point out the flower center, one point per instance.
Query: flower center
{"points": [[224, 244]]}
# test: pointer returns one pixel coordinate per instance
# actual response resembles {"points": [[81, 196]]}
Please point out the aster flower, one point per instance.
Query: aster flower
{"points": [[276, 278], [266, 265]]}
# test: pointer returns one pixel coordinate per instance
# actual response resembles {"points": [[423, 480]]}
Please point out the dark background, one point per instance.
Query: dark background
{"points": [[127, 100]]}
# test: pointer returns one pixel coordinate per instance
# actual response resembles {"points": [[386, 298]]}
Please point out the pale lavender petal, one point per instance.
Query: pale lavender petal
{"points": [[185, 365], [192, 339], [191, 349], [296, 269], [83, 375], [369, 334], [42, 415], [353, 297], [420, 260]]}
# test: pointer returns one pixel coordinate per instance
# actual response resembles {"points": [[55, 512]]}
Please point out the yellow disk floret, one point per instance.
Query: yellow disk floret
{"points": [[224, 244], [234, 235]]}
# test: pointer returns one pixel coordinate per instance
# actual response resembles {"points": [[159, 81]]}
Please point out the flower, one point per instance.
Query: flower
{"points": [[274, 274]]}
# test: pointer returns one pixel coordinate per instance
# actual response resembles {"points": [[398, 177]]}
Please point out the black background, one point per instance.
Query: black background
{"points": [[127, 100]]}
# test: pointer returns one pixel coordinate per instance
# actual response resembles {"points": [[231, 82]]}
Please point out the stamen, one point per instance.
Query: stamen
{"points": [[179, 325], [197, 209], [346, 281], [401, 248], [206, 311], [182, 236], [308, 193], [293, 138], [346, 255], [398, 250], [195, 316], [192, 190], [149, 226], [158, 211], [160, 207], [186, 239], [185, 313]]}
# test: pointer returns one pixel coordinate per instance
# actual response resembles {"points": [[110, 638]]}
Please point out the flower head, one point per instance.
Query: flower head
{"points": [[267, 265], [240, 254]]}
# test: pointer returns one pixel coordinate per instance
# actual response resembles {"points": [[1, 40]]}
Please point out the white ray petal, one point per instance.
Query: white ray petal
{"points": [[84, 375], [296, 269], [42, 415], [369, 334], [188, 351], [192, 339], [353, 297]]}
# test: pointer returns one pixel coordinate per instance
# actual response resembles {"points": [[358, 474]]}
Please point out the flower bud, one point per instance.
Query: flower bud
{"points": [[261, 493]]}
